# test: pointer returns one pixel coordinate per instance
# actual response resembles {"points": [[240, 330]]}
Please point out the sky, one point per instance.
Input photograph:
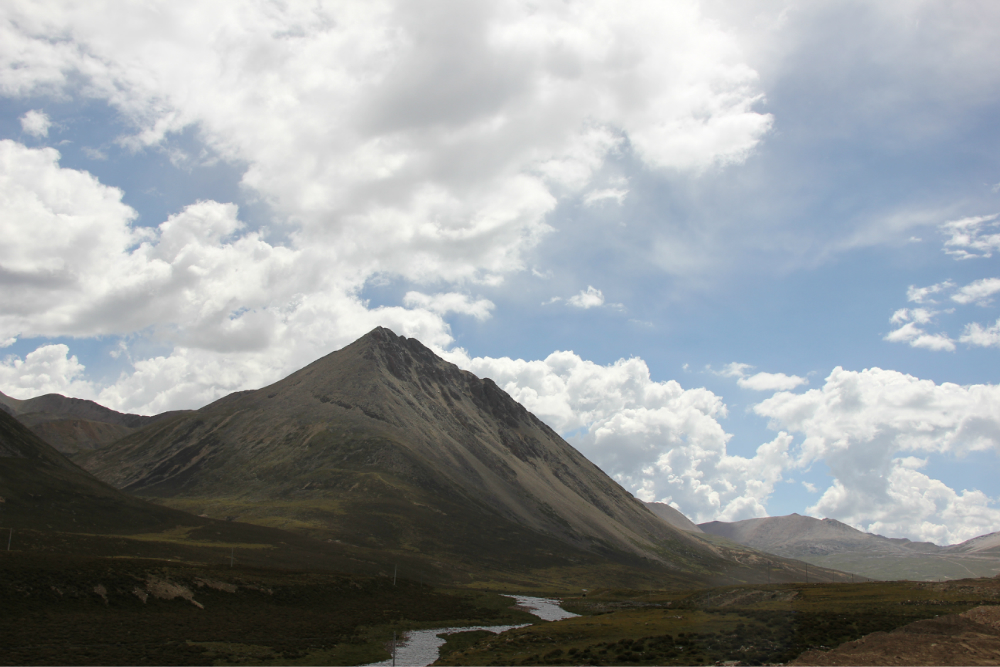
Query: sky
{"points": [[740, 254]]}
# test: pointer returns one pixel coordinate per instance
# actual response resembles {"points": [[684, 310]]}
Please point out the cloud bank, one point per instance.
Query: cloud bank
{"points": [[427, 145]]}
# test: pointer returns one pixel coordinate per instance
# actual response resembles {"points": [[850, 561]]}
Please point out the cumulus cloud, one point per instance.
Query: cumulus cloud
{"points": [[771, 382], [980, 336], [870, 427], [761, 381], [451, 302], [917, 315], [589, 298], [428, 144], [917, 337], [910, 322], [978, 292], [36, 123], [432, 143], [48, 370], [238, 311], [659, 440], [972, 237], [921, 294]]}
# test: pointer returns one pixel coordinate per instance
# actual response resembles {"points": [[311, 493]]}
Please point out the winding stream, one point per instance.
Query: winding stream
{"points": [[420, 648]]}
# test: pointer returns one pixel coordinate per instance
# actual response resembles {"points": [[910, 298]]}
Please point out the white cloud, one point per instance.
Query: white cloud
{"points": [[810, 487], [589, 298], [47, 370], [426, 143], [920, 294], [36, 123], [913, 334], [761, 381], [976, 334], [978, 292], [771, 382], [917, 315], [657, 439], [451, 302], [734, 370], [238, 311], [908, 320], [868, 425], [607, 194], [429, 144], [972, 237]]}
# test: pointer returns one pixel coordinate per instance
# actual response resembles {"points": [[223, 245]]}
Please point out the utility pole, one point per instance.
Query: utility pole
{"points": [[394, 568], [393, 648]]}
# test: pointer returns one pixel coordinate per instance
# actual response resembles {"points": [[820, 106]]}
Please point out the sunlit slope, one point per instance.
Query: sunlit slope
{"points": [[386, 446]]}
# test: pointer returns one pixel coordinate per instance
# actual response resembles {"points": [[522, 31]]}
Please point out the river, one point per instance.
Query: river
{"points": [[419, 648]]}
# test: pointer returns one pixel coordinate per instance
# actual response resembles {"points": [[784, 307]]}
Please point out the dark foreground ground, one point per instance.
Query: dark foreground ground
{"points": [[58, 609], [64, 611], [754, 625]]}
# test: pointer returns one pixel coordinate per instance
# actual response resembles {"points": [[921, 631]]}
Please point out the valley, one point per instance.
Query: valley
{"points": [[383, 490]]}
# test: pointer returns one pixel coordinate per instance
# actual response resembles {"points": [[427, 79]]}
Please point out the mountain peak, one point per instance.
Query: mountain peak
{"points": [[385, 433]]}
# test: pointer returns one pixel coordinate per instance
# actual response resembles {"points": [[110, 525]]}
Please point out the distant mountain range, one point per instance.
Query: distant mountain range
{"points": [[830, 543], [72, 425], [389, 453]]}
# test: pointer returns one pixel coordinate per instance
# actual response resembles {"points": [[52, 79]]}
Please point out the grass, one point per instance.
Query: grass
{"points": [[62, 610], [749, 624]]}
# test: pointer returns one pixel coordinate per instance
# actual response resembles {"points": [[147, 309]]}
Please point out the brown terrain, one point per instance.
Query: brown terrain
{"points": [[969, 638], [72, 425]]}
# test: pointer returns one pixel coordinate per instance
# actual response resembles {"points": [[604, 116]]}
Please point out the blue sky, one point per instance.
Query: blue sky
{"points": [[741, 254]]}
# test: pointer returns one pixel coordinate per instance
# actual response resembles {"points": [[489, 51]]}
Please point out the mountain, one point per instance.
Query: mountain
{"points": [[72, 425], [830, 543], [388, 448], [674, 517], [41, 488], [984, 544], [50, 508]]}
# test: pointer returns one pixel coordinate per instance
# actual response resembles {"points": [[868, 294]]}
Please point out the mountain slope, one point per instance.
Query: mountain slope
{"points": [[830, 543], [54, 508], [385, 446], [42, 488], [674, 517], [72, 425]]}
